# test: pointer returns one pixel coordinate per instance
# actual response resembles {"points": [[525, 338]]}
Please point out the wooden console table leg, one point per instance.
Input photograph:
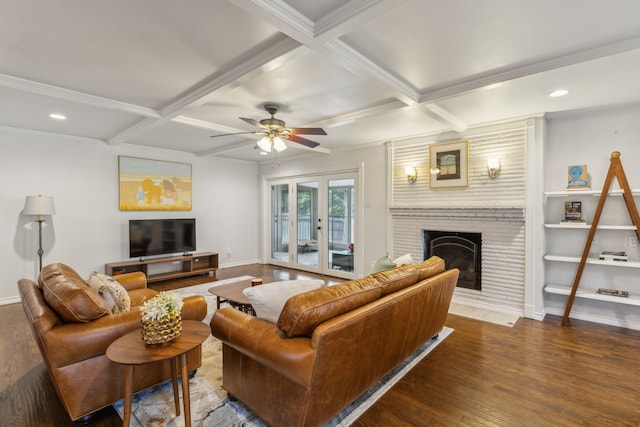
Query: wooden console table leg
{"points": [[174, 381], [128, 393], [186, 400]]}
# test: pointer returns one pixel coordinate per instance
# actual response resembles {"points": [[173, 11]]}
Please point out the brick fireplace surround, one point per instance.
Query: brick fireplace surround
{"points": [[503, 249]]}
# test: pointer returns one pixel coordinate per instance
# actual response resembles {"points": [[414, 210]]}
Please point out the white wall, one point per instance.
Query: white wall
{"points": [[88, 229], [373, 162], [591, 137]]}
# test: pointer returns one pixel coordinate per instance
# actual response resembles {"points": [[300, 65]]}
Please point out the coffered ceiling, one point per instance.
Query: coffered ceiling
{"points": [[170, 74]]}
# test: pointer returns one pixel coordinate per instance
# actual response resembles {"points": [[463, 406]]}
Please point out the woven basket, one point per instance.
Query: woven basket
{"points": [[163, 330]]}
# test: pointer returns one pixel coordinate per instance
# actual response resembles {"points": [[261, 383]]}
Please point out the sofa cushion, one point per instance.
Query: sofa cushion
{"points": [[69, 295], [383, 263], [396, 279], [427, 268], [267, 300], [114, 294], [303, 312]]}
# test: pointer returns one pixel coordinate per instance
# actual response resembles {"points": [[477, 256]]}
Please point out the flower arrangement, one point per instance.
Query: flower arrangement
{"points": [[161, 306], [161, 318]]}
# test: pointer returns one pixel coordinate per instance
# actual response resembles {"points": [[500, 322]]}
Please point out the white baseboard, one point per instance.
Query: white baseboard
{"points": [[595, 319], [10, 300], [240, 263]]}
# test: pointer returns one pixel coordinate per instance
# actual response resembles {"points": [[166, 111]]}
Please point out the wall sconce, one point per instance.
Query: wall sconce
{"points": [[412, 174], [493, 167]]}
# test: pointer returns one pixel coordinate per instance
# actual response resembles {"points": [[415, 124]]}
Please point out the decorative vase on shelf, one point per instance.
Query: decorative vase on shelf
{"points": [[161, 319]]}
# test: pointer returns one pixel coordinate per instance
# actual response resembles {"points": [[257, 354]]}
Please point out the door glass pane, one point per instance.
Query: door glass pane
{"points": [[308, 223], [280, 222], [340, 235]]}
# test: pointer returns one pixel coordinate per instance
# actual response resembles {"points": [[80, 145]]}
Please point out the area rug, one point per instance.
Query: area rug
{"points": [[210, 406]]}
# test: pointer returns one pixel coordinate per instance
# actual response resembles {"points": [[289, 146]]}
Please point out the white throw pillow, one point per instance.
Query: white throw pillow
{"points": [[403, 260], [269, 299], [115, 295]]}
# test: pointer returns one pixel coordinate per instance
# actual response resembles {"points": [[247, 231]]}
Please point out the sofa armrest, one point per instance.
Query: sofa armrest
{"points": [[194, 308], [131, 281], [265, 343], [73, 342]]}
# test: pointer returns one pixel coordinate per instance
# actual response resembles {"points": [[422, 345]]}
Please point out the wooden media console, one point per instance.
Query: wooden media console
{"points": [[190, 265]]}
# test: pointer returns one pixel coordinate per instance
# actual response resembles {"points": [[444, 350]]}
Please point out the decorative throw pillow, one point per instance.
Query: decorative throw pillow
{"points": [[267, 300], [384, 263], [114, 294], [403, 260], [69, 296]]}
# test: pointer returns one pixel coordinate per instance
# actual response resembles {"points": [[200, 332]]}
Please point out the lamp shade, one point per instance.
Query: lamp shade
{"points": [[39, 205]]}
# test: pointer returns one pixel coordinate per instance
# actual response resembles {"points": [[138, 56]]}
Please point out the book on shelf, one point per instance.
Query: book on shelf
{"points": [[613, 256], [578, 178], [573, 212], [613, 292]]}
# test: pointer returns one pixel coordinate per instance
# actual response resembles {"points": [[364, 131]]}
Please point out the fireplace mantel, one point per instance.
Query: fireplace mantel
{"points": [[510, 214]]}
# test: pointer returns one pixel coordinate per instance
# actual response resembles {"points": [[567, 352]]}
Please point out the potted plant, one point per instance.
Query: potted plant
{"points": [[161, 318]]}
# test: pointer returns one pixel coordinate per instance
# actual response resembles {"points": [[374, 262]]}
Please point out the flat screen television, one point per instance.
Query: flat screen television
{"points": [[148, 237]]}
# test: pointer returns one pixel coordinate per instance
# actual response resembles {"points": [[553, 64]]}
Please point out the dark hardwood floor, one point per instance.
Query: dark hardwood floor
{"points": [[534, 374]]}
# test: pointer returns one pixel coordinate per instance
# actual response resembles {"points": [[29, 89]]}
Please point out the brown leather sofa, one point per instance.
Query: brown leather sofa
{"points": [[331, 344], [74, 350]]}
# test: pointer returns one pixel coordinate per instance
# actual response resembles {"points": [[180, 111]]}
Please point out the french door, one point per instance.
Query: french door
{"points": [[314, 225]]}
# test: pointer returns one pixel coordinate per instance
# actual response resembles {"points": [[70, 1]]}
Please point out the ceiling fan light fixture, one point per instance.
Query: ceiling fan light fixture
{"points": [[278, 144], [265, 144]]}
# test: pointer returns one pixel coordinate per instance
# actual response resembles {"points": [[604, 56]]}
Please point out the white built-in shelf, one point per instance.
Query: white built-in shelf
{"points": [[591, 294], [585, 226], [595, 193], [575, 259]]}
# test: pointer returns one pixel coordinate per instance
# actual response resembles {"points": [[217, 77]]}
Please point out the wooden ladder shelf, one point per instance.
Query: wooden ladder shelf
{"points": [[615, 169]]}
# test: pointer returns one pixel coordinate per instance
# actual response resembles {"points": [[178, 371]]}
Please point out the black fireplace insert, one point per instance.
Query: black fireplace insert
{"points": [[459, 250]]}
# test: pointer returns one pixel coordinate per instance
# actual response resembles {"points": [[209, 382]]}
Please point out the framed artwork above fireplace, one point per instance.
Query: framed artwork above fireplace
{"points": [[449, 164]]}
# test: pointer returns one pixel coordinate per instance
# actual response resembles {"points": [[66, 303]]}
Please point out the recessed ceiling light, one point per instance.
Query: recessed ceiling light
{"points": [[559, 92], [58, 116]]}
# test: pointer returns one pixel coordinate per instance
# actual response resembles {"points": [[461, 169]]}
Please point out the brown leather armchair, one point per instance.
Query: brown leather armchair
{"points": [[74, 351]]}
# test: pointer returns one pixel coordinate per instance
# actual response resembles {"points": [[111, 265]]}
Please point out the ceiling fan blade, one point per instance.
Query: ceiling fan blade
{"points": [[308, 131], [229, 134], [254, 122], [306, 142]]}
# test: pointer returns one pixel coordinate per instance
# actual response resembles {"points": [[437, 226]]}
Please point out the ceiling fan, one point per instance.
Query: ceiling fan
{"points": [[274, 132]]}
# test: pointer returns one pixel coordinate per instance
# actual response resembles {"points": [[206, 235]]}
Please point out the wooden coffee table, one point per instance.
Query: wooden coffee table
{"points": [[232, 293], [131, 350]]}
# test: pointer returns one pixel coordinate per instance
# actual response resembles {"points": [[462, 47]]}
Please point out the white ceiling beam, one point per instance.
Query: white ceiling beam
{"points": [[198, 96], [340, 21], [227, 148], [505, 74], [343, 119], [352, 58], [203, 124], [351, 16], [282, 16], [75, 96], [50, 135], [443, 116]]}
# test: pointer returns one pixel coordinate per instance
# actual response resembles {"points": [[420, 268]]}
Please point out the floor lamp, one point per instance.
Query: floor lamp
{"points": [[39, 206]]}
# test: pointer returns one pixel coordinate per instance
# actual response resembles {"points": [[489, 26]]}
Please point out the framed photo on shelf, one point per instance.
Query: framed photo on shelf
{"points": [[449, 164], [153, 185]]}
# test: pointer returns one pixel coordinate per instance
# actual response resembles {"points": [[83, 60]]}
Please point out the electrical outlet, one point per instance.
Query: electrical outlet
{"points": [[633, 241], [228, 251]]}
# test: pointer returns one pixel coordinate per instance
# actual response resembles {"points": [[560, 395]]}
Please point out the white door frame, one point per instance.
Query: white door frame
{"points": [[323, 180]]}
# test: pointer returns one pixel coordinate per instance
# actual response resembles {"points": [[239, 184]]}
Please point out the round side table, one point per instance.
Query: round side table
{"points": [[130, 350]]}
